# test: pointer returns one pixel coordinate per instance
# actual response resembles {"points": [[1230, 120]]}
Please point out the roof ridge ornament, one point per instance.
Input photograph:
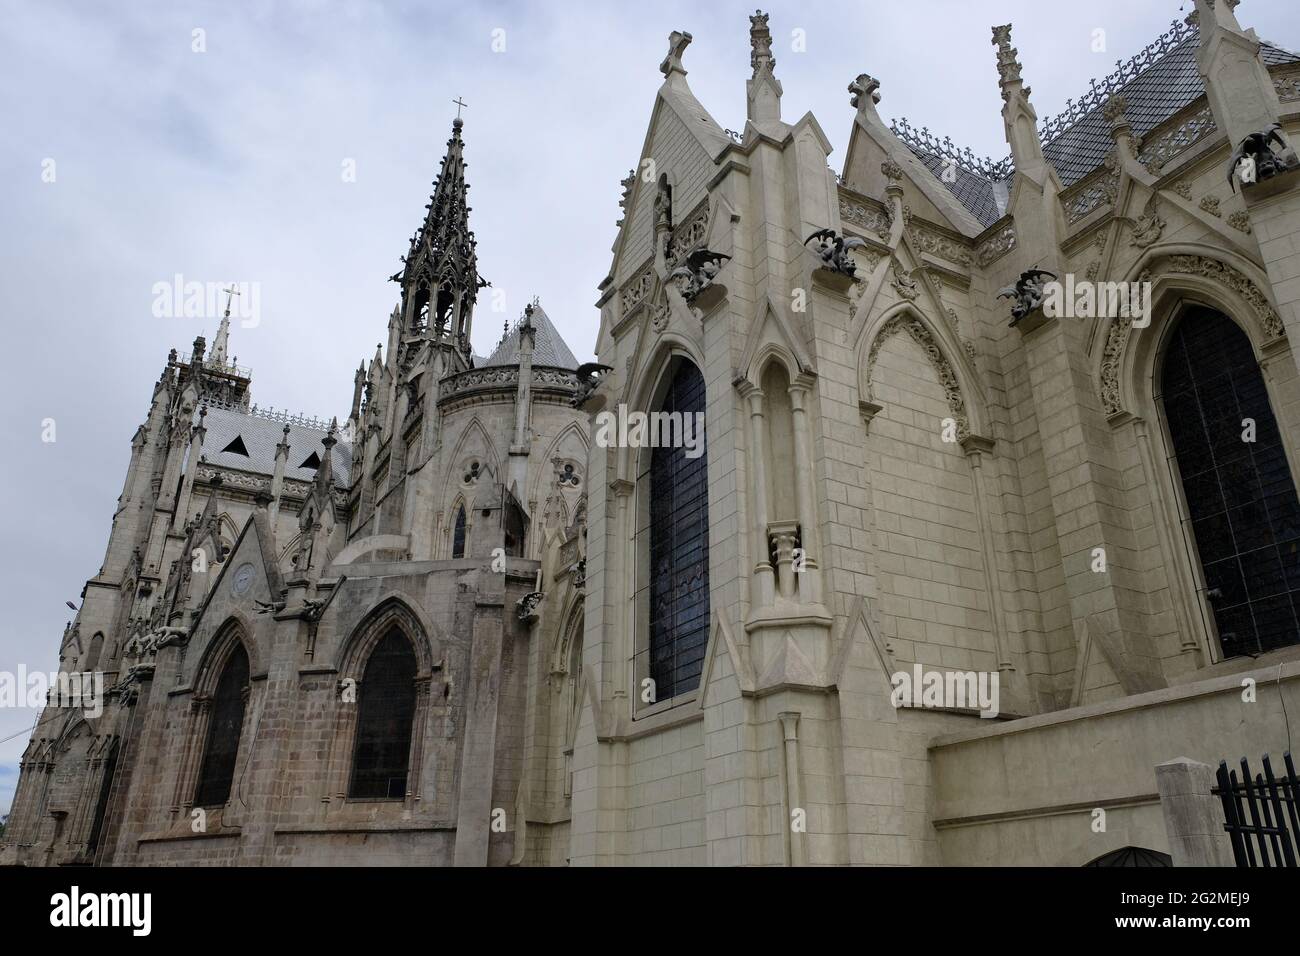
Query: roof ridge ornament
{"points": [[864, 88], [678, 41]]}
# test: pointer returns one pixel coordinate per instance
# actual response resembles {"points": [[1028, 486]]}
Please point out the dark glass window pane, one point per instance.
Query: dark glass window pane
{"points": [[225, 725], [679, 550], [385, 711], [1241, 497], [458, 536]]}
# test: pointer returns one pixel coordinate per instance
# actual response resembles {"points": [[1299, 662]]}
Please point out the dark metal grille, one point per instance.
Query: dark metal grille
{"points": [[225, 726], [458, 536], [1241, 499], [679, 550], [1256, 814], [385, 710]]}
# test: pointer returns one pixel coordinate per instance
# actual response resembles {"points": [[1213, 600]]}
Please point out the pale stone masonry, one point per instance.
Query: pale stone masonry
{"points": [[902, 473]]}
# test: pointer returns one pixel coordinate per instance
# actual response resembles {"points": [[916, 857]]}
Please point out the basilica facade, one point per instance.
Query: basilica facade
{"points": [[465, 627]]}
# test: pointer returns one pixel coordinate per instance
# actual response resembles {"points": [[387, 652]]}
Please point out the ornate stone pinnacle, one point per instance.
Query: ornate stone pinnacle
{"points": [[1008, 65], [893, 172], [760, 42], [678, 41]]}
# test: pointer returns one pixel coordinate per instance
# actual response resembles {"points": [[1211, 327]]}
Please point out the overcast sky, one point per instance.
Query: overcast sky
{"points": [[228, 165]]}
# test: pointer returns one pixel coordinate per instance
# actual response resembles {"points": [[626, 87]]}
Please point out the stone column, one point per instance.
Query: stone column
{"points": [[793, 790], [810, 590], [1193, 815], [762, 584], [976, 448]]}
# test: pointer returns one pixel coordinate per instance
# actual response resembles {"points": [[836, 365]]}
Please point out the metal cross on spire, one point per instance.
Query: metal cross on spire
{"points": [[230, 293], [459, 103]]}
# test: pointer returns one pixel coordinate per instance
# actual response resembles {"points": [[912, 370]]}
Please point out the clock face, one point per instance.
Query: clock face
{"points": [[243, 578]]}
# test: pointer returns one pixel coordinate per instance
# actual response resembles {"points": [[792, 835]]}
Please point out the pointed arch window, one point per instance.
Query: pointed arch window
{"points": [[458, 534], [93, 654], [678, 547], [385, 714], [1242, 511], [514, 525], [225, 727]]}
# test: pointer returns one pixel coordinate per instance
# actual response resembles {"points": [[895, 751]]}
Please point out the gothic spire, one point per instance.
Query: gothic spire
{"points": [[440, 281]]}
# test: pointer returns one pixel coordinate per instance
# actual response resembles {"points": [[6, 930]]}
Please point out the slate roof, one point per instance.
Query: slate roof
{"points": [[260, 432], [549, 347], [1154, 94]]}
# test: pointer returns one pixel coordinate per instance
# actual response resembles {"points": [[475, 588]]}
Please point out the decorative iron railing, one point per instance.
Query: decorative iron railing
{"points": [[1260, 815]]}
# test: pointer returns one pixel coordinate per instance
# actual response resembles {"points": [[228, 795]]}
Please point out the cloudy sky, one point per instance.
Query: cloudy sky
{"points": [[227, 163]]}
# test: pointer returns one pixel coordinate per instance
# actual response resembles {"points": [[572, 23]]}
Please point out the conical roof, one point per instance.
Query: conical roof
{"points": [[550, 347]]}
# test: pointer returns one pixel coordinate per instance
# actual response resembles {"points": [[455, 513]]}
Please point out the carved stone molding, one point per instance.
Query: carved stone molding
{"points": [[943, 369], [1225, 275], [1117, 336], [937, 244], [996, 246], [637, 288], [1158, 150], [871, 219], [689, 236], [1111, 358]]}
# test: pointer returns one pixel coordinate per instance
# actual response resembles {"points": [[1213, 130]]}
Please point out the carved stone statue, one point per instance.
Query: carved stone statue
{"points": [[1028, 292], [834, 250]]}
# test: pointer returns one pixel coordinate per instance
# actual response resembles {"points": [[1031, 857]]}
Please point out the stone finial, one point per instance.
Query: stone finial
{"points": [[760, 42], [863, 87], [1008, 65], [893, 172], [1114, 108], [678, 41]]}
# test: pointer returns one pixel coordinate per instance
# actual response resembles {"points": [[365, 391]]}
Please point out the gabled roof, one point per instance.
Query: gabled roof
{"points": [[1155, 84], [260, 432], [549, 348]]}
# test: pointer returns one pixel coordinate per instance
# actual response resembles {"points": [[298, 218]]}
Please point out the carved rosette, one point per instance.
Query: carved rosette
{"points": [[943, 369]]}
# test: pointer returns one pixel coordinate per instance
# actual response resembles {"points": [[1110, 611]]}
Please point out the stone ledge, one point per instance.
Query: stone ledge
{"points": [[1205, 688]]}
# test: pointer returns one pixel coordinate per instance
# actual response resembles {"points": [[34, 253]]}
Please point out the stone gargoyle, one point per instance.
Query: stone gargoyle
{"points": [[1028, 292], [590, 375], [834, 250], [701, 268], [1255, 159]]}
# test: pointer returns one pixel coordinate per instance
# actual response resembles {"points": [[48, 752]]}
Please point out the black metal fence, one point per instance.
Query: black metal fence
{"points": [[1261, 813]]}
